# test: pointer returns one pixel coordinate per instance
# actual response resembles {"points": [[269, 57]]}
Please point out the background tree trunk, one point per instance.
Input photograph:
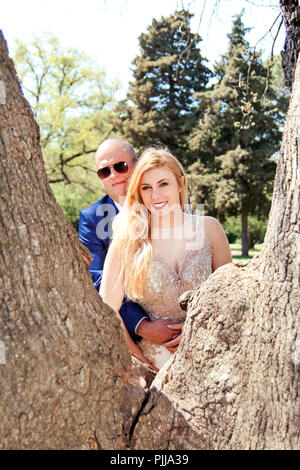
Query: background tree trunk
{"points": [[65, 372], [67, 380], [245, 236]]}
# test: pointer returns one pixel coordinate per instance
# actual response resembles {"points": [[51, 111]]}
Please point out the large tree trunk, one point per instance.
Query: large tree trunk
{"points": [[291, 15], [67, 379]]}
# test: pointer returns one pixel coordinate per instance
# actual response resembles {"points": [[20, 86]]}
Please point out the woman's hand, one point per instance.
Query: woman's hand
{"points": [[172, 345], [133, 347]]}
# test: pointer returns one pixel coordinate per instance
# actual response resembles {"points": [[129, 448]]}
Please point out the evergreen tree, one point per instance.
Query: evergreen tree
{"points": [[237, 135], [159, 107]]}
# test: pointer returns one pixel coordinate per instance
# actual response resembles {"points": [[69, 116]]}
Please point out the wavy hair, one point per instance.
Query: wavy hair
{"points": [[132, 226]]}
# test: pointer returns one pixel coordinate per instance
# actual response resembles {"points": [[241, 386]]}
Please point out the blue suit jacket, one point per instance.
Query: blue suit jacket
{"points": [[95, 230]]}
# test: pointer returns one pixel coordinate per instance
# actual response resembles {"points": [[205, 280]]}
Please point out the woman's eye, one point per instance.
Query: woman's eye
{"points": [[164, 183], [145, 187]]}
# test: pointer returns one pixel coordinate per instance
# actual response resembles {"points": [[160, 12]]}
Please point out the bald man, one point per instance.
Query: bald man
{"points": [[115, 160]]}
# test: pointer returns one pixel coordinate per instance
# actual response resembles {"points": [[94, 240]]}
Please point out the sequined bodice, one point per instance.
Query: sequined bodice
{"points": [[165, 283]]}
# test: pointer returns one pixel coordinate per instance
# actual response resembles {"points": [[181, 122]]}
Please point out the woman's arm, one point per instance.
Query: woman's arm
{"points": [[112, 293], [112, 285], [218, 241]]}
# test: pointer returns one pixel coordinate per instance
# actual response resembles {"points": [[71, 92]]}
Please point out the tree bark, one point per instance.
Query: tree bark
{"points": [[67, 379], [291, 15], [251, 240]]}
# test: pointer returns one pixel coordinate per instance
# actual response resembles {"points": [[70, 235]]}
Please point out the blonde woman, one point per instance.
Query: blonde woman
{"points": [[159, 251]]}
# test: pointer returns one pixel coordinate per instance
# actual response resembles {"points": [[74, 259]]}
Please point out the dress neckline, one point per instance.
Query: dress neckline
{"points": [[188, 220], [178, 267]]}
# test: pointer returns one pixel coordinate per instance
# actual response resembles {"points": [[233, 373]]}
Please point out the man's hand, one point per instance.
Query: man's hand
{"points": [[159, 331]]}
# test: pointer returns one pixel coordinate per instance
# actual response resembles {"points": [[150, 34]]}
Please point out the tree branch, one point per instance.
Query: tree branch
{"points": [[271, 63], [79, 154]]}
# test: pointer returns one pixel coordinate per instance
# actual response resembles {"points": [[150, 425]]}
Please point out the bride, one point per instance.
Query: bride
{"points": [[159, 251]]}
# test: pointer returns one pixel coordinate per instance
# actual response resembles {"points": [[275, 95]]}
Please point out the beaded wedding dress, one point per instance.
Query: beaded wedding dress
{"points": [[166, 283]]}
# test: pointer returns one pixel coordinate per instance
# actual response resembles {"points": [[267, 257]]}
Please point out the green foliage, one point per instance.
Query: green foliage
{"points": [[202, 186], [257, 229], [276, 82], [246, 180], [236, 111], [71, 101], [73, 199], [160, 108], [239, 132]]}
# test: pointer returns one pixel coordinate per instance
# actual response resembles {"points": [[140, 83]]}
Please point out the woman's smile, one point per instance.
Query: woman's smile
{"points": [[159, 205]]}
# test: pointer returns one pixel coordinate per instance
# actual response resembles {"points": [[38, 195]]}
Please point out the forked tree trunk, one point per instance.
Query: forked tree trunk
{"points": [[66, 380]]}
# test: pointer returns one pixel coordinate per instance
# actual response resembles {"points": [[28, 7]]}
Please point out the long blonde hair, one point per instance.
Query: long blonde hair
{"points": [[132, 226]]}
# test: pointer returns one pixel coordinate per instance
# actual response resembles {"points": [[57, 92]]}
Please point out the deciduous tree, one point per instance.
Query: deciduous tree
{"points": [[71, 100]]}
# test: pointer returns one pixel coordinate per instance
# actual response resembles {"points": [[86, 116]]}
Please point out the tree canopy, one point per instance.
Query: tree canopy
{"points": [[71, 100], [238, 133], [160, 107], [224, 125]]}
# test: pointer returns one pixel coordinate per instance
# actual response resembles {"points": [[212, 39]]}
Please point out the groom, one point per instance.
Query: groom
{"points": [[115, 160]]}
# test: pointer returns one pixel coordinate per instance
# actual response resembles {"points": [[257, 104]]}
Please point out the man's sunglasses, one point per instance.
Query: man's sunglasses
{"points": [[120, 167]]}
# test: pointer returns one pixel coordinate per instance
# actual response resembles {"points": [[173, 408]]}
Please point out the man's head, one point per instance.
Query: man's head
{"points": [[115, 160]]}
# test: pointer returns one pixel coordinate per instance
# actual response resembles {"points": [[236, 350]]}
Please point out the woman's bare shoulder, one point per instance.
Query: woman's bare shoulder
{"points": [[214, 231], [212, 223]]}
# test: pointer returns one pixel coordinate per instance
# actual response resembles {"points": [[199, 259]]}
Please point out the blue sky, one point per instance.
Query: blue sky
{"points": [[108, 30]]}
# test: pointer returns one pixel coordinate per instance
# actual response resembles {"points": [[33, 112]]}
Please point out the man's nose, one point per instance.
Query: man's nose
{"points": [[113, 173]]}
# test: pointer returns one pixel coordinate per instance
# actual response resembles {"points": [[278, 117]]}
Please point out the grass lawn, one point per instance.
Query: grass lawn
{"points": [[236, 251]]}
